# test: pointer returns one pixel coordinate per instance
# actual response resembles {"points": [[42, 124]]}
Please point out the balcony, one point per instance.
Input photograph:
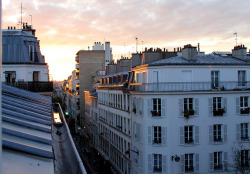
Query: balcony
{"points": [[188, 86], [33, 86], [218, 112], [77, 66]]}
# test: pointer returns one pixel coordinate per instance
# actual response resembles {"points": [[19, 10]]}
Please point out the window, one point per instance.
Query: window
{"points": [[188, 107], [157, 162], [189, 162], [241, 78], [214, 79], [217, 132], [156, 107], [244, 105], [188, 134], [31, 52], [218, 161], [244, 158], [244, 131], [157, 135], [217, 106]]}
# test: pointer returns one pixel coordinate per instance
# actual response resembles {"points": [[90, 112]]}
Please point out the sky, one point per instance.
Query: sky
{"points": [[67, 26]]}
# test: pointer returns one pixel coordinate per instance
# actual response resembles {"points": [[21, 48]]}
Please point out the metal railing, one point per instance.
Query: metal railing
{"points": [[33, 86], [190, 86]]}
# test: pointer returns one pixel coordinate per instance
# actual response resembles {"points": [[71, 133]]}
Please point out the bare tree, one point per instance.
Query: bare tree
{"points": [[240, 163]]}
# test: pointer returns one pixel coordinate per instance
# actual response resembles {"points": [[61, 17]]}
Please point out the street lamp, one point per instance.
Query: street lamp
{"points": [[175, 158], [128, 151]]}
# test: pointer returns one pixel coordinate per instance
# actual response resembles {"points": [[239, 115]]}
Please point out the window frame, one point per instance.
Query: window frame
{"points": [[241, 78], [218, 161], [215, 79], [244, 158], [244, 108], [244, 136], [189, 162], [217, 133], [189, 134], [157, 162], [156, 107], [157, 135]]}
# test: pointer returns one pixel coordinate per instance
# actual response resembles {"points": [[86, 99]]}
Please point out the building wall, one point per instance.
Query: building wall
{"points": [[90, 62], [25, 72]]}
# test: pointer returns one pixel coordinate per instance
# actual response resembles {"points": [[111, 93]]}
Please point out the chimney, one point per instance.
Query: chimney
{"points": [[174, 49], [189, 52], [240, 52], [198, 48]]}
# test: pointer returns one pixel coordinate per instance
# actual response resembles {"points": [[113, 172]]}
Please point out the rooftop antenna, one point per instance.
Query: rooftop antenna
{"points": [[141, 46], [236, 37], [21, 22], [136, 43], [31, 19]]}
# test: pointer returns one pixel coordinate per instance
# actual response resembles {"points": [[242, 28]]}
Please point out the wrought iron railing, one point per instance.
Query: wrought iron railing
{"points": [[33, 86], [190, 86]]}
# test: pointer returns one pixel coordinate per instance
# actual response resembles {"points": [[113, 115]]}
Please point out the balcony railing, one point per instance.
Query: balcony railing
{"points": [[189, 86], [33, 86]]}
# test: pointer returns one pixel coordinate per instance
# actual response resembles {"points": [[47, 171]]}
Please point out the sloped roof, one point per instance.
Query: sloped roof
{"points": [[26, 132], [15, 48], [209, 59]]}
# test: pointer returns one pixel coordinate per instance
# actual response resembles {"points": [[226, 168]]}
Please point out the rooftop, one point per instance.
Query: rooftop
{"points": [[209, 59], [26, 128]]}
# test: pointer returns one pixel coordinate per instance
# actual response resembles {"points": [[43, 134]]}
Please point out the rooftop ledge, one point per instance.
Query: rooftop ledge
{"points": [[190, 86]]}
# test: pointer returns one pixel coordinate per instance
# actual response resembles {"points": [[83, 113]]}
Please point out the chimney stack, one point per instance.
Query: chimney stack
{"points": [[189, 52], [240, 52]]}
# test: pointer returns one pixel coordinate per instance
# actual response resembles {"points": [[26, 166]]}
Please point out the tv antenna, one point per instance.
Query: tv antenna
{"points": [[236, 37], [21, 22], [141, 46], [136, 43]]}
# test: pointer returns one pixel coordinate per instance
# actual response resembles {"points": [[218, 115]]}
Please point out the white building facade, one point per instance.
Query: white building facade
{"points": [[182, 114]]}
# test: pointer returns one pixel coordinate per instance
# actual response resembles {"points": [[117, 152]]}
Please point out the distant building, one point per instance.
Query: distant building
{"points": [[178, 114], [90, 66], [23, 62]]}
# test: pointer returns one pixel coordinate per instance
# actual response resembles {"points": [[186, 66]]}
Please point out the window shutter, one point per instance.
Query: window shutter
{"points": [[197, 141], [182, 163], [197, 163], [163, 107], [238, 134], [210, 107], [225, 133], [225, 160], [225, 105], [140, 159], [150, 167], [237, 105], [211, 159], [137, 106], [210, 134], [164, 135], [149, 107], [181, 107], [138, 126], [141, 107], [181, 135], [149, 135], [134, 130], [196, 109], [164, 166]]}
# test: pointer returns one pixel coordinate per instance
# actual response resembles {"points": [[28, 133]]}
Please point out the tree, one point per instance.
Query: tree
{"points": [[238, 165]]}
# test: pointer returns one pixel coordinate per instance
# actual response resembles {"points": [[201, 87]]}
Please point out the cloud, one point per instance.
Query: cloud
{"points": [[77, 24]]}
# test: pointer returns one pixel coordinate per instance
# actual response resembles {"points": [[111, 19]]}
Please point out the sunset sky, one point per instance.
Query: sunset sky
{"points": [[66, 26]]}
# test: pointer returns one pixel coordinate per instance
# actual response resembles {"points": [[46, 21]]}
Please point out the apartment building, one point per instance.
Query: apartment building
{"points": [[23, 64], [90, 66], [180, 114]]}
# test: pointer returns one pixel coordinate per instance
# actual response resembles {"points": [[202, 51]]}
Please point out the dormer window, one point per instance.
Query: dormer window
{"points": [[31, 52]]}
